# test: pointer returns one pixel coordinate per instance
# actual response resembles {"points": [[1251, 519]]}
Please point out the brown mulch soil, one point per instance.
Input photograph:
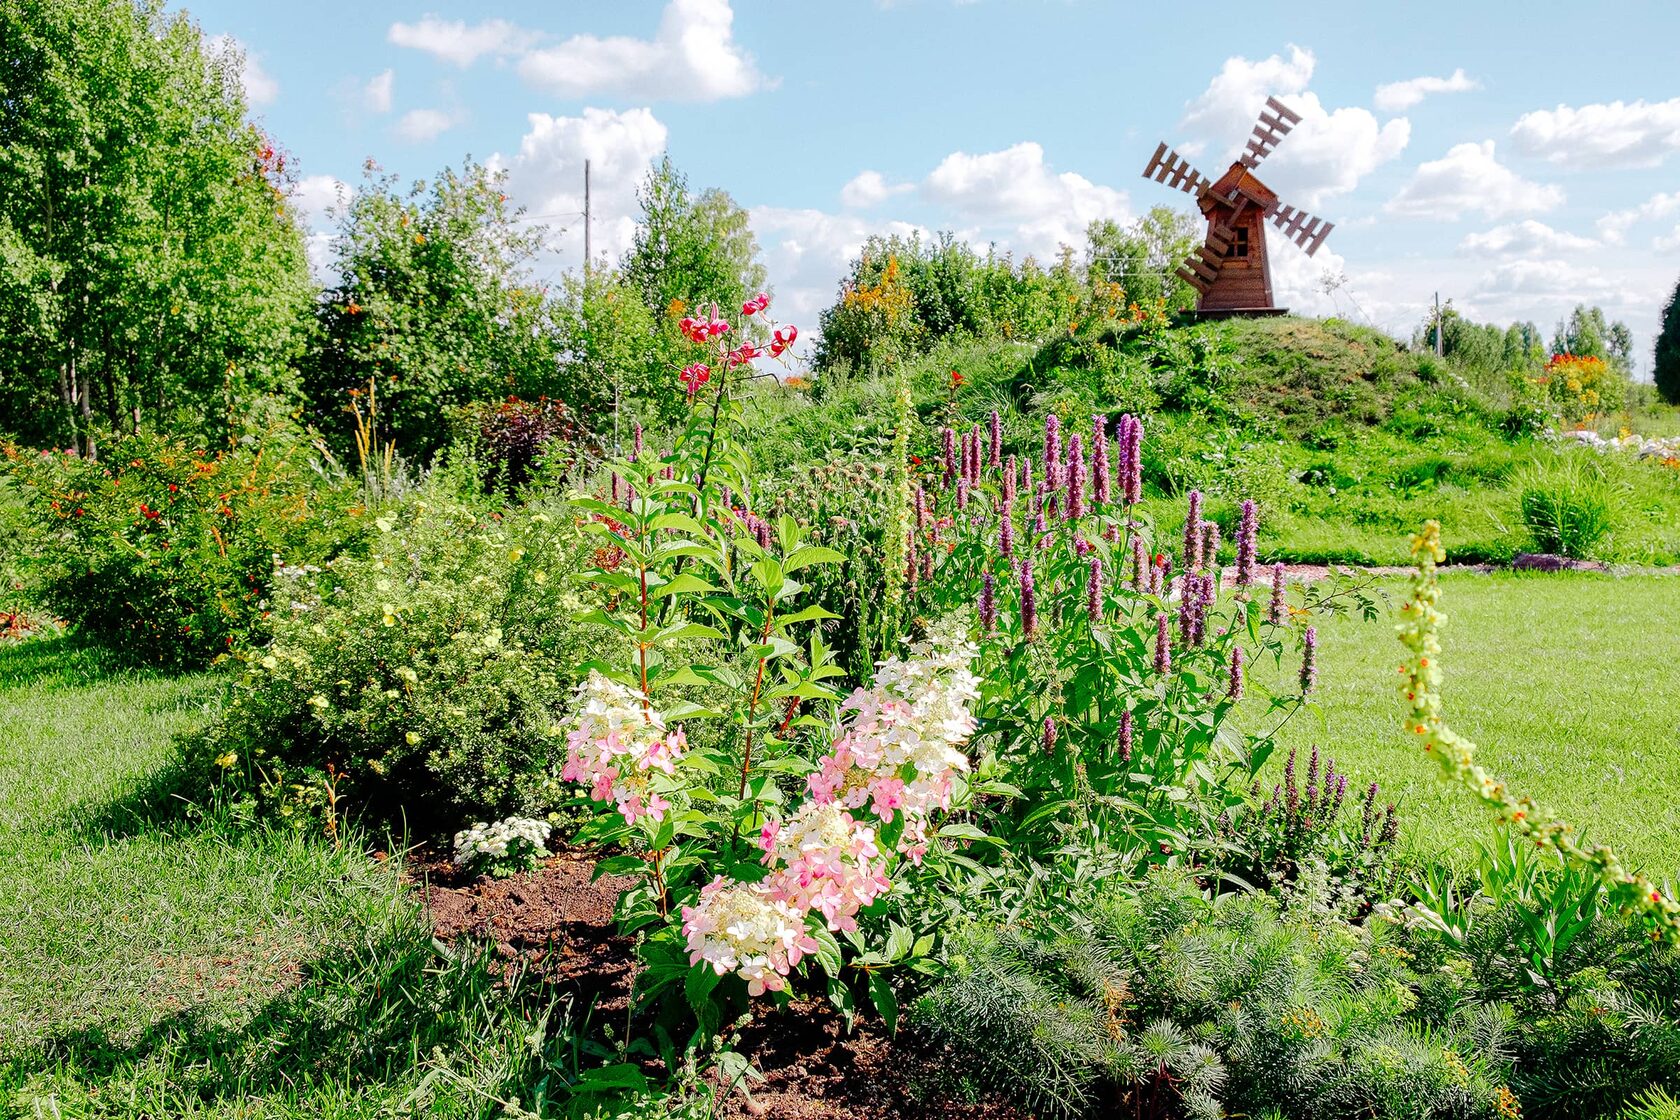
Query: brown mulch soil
{"points": [[815, 1070], [557, 924]]}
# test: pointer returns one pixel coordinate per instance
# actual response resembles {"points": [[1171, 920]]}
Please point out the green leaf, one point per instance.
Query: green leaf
{"points": [[699, 983], [812, 613], [685, 584], [881, 993], [686, 630], [812, 554], [828, 951], [960, 831]]}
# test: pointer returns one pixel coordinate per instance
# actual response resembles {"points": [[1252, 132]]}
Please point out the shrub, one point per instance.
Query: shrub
{"points": [[171, 554], [1166, 1003], [515, 438], [1568, 504], [427, 675]]}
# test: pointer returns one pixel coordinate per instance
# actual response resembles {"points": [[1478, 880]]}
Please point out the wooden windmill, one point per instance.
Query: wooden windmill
{"points": [[1232, 270]]}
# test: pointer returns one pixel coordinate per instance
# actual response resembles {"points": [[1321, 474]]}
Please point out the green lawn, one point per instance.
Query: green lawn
{"points": [[160, 962], [1569, 686]]}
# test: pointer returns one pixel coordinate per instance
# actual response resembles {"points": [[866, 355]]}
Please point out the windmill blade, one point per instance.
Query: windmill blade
{"points": [[1301, 227], [1167, 166], [1277, 120], [1201, 268]]}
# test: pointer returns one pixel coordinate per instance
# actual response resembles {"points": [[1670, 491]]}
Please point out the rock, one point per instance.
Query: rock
{"points": [[1549, 562]]}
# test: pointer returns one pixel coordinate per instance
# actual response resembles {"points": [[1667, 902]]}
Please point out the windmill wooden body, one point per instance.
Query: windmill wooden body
{"points": [[1232, 271]]}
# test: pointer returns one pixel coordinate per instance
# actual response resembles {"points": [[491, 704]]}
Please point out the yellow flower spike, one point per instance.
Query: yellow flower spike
{"points": [[1420, 677]]}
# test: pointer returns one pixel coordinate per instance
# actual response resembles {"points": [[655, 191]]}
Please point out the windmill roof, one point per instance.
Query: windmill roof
{"points": [[1240, 178]]}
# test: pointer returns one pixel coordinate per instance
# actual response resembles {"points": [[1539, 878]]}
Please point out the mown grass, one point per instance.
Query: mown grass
{"points": [[1566, 684], [157, 958]]}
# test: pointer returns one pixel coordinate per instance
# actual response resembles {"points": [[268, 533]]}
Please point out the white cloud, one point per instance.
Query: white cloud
{"points": [[869, 189], [260, 86], [1227, 109], [1668, 243], [1527, 238], [1393, 97], [455, 40], [377, 93], [417, 126], [1537, 280], [692, 57], [1014, 196], [1469, 179], [316, 198], [1328, 152], [1613, 227], [1620, 134], [546, 175]]}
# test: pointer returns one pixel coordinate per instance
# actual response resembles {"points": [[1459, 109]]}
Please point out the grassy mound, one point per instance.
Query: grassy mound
{"points": [[1347, 439]]}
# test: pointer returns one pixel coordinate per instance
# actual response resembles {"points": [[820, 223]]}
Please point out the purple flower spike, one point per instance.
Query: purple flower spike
{"points": [[1125, 737], [1101, 481], [921, 507], [995, 450], [1075, 479], [962, 493], [1049, 735], [1248, 532], [1029, 601], [615, 485], [1094, 591], [988, 604], [1277, 611], [1163, 644], [1026, 476], [1139, 558], [636, 446], [1052, 451], [948, 441], [1234, 690], [1009, 481], [1134, 462], [1006, 531], [1309, 661], [974, 456], [1193, 532], [1210, 545]]}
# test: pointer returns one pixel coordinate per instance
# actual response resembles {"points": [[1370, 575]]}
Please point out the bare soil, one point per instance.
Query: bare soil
{"points": [[556, 923]]}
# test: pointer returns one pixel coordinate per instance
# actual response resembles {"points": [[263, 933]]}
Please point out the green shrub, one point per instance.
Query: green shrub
{"points": [[428, 674], [170, 554], [1569, 504], [1173, 1004]]}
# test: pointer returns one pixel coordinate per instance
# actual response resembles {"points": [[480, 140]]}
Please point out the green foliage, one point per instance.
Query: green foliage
{"points": [[1666, 360], [1569, 502], [151, 270], [1178, 1005], [1588, 333], [171, 554], [615, 363], [690, 250], [1533, 938], [425, 676], [436, 307]]}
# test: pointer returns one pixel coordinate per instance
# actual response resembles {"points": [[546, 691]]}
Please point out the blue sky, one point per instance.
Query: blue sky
{"points": [[1517, 158]]}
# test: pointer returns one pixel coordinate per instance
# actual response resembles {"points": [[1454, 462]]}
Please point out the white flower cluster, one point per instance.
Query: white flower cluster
{"points": [[616, 745], [917, 715], [745, 928], [1644, 447], [518, 837]]}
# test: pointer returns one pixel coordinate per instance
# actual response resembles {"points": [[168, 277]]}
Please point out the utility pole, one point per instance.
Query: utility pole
{"points": [[586, 219], [1440, 350]]}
